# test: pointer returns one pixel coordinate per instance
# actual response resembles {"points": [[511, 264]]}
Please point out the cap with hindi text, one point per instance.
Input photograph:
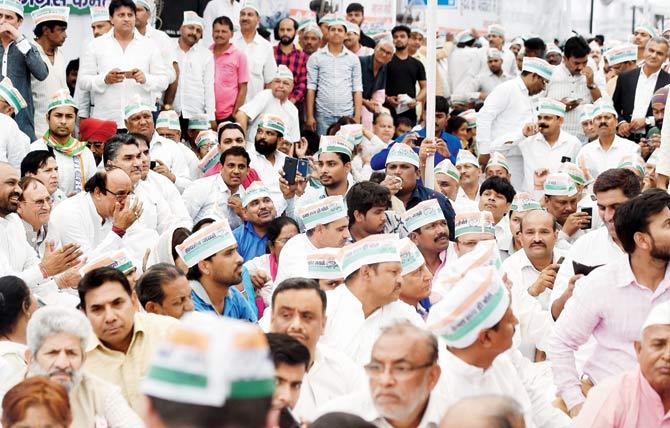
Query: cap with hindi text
{"points": [[168, 119], [61, 98], [575, 172], [447, 168], [402, 153], [523, 202], [474, 222], [411, 258], [551, 106], [12, 6], [256, 190], [425, 212], [324, 263], [466, 157], [622, 53], [99, 14], [50, 13], [272, 122], [381, 248], [12, 95], [559, 184], [206, 242], [323, 211], [335, 144], [498, 159]]}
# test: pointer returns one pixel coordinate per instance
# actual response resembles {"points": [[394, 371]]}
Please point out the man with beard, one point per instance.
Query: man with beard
{"points": [[609, 149], [429, 231], [195, 91], [296, 60], [214, 268], [402, 75], [274, 101], [311, 38], [636, 281], [543, 144], [258, 211], [266, 159], [508, 108], [57, 340], [50, 34], [76, 163]]}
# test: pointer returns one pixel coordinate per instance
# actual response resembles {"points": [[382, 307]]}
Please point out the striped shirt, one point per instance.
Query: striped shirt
{"points": [[334, 78]]}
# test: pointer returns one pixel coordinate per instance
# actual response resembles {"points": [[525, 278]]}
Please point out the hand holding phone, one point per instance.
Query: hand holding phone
{"points": [[589, 211], [290, 170]]}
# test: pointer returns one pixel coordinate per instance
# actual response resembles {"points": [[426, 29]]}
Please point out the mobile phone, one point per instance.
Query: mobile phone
{"points": [[290, 169], [287, 419], [152, 164], [303, 167], [589, 211], [128, 74], [560, 260], [565, 159]]}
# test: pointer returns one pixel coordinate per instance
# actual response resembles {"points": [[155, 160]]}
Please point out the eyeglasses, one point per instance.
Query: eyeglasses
{"points": [[401, 371], [119, 196]]}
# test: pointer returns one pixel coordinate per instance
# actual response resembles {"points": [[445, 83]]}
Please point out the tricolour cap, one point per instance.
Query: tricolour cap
{"points": [[61, 98], [136, 106], [272, 122], [210, 160], [658, 315], [338, 20], [99, 14], [256, 190], [12, 6], [335, 144], [206, 242], [523, 202], [192, 18], [622, 53], [423, 213], [498, 159], [50, 13], [324, 263], [206, 360], [199, 122], [477, 302], [309, 20], [551, 106], [602, 106], [471, 116], [497, 30], [207, 138], [381, 248], [12, 95], [118, 260], [552, 48], [633, 162], [168, 119], [575, 172], [411, 258], [402, 153], [474, 222], [586, 112], [283, 72], [538, 66], [466, 156], [559, 184], [323, 211], [447, 168], [646, 28]]}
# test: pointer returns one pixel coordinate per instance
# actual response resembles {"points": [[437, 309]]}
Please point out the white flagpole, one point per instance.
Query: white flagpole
{"points": [[431, 63]]}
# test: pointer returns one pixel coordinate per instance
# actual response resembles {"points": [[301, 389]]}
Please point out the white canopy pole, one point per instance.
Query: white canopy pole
{"points": [[431, 69]]}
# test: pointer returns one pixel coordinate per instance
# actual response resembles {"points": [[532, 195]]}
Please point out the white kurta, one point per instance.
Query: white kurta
{"points": [[44, 90], [14, 144], [293, 258], [208, 197], [512, 375], [195, 92], [260, 60], [598, 160], [348, 330], [266, 103], [70, 166], [164, 44], [171, 194], [463, 62], [332, 375], [156, 213], [269, 175], [169, 153]]}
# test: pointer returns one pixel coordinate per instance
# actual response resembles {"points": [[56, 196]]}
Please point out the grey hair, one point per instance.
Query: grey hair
{"points": [[52, 320], [406, 327], [389, 41], [497, 411], [660, 40]]}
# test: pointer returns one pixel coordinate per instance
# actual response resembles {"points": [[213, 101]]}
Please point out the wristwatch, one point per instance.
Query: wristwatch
{"points": [[167, 106], [592, 86]]}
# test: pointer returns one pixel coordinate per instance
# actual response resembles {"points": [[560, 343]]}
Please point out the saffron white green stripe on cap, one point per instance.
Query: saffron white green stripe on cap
{"points": [[335, 144], [622, 53], [283, 72], [574, 171], [206, 242], [61, 98], [551, 106], [256, 190], [99, 14], [168, 119], [50, 13], [559, 184], [411, 258], [466, 157], [646, 28], [498, 159], [12, 6], [425, 212], [635, 163], [323, 211], [192, 18], [135, 107], [447, 168], [523, 202], [382, 248], [474, 222], [272, 122], [324, 263], [338, 20], [586, 112], [207, 138], [538, 66], [402, 153], [353, 28], [118, 260], [313, 28], [12, 95], [305, 22], [199, 122]]}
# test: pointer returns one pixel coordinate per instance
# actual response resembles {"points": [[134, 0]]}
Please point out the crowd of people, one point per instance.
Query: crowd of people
{"points": [[237, 227]]}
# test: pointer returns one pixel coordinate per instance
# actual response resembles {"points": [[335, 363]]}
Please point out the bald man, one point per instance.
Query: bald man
{"points": [[484, 411]]}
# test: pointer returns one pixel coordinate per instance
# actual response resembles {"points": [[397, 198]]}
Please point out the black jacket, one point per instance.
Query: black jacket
{"points": [[624, 94]]}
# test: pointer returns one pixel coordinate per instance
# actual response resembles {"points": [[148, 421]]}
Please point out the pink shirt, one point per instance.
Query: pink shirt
{"points": [[230, 69], [625, 401], [610, 305]]}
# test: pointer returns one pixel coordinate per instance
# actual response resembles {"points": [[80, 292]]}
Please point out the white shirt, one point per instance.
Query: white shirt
{"points": [[43, 90], [463, 199], [69, 167], [170, 193], [164, 43], [597, 160], [266, 103], [14, 144], [512, 375], [156, 213], [463, 62], [260, 61], [104, 54], [564, 84], [191, 160], [269, 175], [332, 375], [195, 92], [216, 8], [293, 263], [169, 153], [509, 66], [208, 198], [505, 111], [663, 166], [643, 93], [483, 83], [348, 330], [537, 153]]}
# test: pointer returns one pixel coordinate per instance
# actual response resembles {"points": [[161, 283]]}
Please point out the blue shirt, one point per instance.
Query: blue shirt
{"points": [[249, 244], [378, 161], [234, 306]]}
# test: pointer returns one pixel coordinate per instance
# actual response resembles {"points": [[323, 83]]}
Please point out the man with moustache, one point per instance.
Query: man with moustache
{"points": [[266, 159], [311, 38], [287, 54], [430, 233], [258, 211]]}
